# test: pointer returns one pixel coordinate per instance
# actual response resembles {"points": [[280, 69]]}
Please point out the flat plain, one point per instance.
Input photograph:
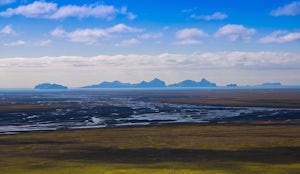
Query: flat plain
{"points": [[237, 146]]}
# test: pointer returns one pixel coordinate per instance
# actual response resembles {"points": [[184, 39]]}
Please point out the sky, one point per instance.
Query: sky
{"points": [[83, 42]]}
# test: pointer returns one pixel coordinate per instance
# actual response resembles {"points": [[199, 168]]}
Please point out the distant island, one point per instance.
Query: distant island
{"points": [[50, 86], [155, 83], [232, 85], [271, 84], [192, 83]]}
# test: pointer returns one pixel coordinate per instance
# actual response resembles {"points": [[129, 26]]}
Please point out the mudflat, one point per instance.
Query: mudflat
{"points": [[235, 146], [228, 97], [235, 97]]}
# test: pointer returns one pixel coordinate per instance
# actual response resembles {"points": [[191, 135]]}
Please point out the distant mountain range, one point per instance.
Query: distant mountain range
{"points": [[155, 83], [50, 86], [192, 83]]}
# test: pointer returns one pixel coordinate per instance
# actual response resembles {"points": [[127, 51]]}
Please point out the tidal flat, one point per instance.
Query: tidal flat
{"points": [[57, 110], [242, 143]]}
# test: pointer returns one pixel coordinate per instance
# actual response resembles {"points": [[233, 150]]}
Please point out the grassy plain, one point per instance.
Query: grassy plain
{"points": [[253, 147]]}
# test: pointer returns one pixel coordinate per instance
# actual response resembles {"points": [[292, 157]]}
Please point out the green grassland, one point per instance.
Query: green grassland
{"points": [[253, 147]]}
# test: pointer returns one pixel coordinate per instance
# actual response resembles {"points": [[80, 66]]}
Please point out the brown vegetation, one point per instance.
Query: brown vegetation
{"points": [[226, 147], [259, 98]]}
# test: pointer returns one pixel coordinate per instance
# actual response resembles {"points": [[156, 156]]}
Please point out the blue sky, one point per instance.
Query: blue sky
{"points": [[80, 42]]}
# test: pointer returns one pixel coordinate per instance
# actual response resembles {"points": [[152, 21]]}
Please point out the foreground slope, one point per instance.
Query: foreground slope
{"points": [[253, 147]]}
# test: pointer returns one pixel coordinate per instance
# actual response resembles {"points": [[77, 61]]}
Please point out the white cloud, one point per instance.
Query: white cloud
{"points": [[28, 43], [131, 16], [214, 16], [151, 35], [189, 33], [16, 43], [87, 35], [235, 32], [81, 35], [58, 32], [7, 30], [128, 42], [4, 2], [40, 9], [93, 35], [43, 42], [37, 9], [281, 37], [121, 28], [292, 9], [189, 36], [187, 42], [190, 10], [98, 11]]}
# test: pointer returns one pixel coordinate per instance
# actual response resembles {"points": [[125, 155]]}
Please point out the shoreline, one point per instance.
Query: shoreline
{"points": [[169, 125]]}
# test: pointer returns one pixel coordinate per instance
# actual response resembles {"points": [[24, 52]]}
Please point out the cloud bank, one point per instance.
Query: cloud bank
{"points": [[208, 60], [220, 67], [280, 36], [93, 35], [50, 10]]}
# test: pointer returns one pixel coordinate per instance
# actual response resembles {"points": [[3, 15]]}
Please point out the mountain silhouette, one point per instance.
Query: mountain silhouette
{"points": [[50, 86], [192, 83], [155, 83], [114, 84]]}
